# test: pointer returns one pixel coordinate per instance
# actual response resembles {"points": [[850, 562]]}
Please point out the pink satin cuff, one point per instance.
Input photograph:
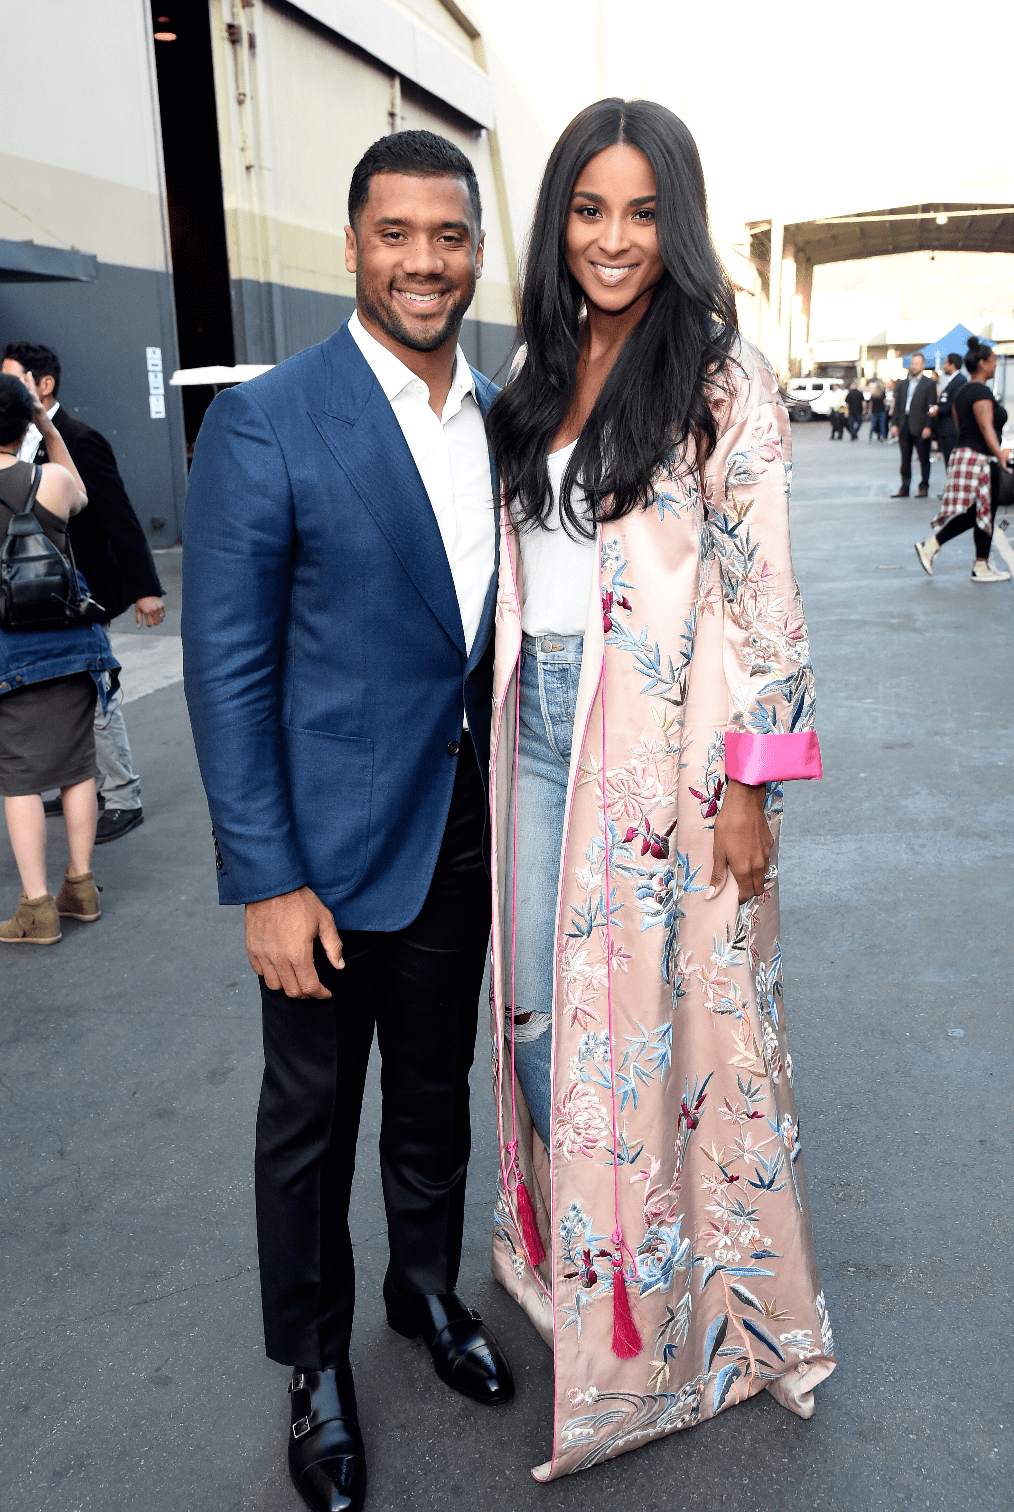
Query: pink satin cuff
{"points": [[754, 759]]}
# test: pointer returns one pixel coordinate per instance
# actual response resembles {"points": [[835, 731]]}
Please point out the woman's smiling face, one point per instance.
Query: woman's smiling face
{"points": [[612, 240]]}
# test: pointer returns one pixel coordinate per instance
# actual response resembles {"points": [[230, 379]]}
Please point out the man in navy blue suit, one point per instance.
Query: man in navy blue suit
{"points": [[339, 571]]}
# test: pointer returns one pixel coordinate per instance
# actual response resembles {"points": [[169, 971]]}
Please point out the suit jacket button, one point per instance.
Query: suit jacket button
{"points": [[453, 747]]}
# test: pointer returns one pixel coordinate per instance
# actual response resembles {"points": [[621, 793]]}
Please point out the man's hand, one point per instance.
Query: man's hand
{"points": [[927, 432], [742, 841], [894, 430], [279, 942], [149, 611]]}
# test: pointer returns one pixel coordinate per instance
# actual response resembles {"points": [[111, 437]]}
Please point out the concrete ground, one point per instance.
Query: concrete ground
{"points": [[131, 1362]]}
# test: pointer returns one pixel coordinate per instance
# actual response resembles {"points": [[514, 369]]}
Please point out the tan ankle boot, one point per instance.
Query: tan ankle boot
{"points": [[78, 898], [35, 923]]}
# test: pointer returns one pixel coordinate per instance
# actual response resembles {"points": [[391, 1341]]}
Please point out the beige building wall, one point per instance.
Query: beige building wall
{"points": [[298, 105], [81, 167]]}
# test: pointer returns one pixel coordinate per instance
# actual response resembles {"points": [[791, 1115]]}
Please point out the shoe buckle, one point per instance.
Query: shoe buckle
{"points": [[298, 1383], [301, 1429]]}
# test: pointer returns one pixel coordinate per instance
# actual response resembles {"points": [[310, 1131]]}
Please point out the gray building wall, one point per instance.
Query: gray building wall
{"points": [[101, 331]]}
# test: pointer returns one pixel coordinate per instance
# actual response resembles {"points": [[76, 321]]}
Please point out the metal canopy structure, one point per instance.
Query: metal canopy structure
{"points": [[27, 262], [783, 254], [941, 227]]}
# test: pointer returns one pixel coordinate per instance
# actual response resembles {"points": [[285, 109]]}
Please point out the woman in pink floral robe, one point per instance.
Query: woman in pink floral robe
{"points": [[661, 1244]]}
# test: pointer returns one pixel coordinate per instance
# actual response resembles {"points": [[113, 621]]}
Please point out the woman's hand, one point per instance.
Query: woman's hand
{"points": [[742, 841], [40, 418], [67, 496]]}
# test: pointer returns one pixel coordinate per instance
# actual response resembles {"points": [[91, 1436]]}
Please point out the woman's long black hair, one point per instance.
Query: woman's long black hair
{"points": [[654, 399]]}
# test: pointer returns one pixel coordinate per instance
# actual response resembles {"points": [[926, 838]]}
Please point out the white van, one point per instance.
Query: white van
{"points": [[813, 396]]}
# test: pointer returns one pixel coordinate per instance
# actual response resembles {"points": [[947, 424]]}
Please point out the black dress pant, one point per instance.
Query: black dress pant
{"points": [[906, 442], [947, 440], [419, 987]]}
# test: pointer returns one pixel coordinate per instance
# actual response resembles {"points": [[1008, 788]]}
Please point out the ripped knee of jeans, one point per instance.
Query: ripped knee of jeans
{"points": [[530, 1026]]}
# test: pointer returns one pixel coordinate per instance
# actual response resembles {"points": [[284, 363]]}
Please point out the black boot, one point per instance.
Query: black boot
{"points": [[465, 1354], [327, 1460]]}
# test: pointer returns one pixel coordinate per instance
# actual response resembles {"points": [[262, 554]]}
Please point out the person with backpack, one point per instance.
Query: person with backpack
{"points": [[53, 666], [111, 549]]}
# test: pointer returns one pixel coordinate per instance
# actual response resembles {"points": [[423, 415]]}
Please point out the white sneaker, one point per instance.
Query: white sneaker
{"points": [[926, 551], [982, 572]]}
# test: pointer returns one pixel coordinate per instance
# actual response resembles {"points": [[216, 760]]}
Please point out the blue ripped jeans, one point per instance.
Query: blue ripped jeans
{"points": [[550, 671]]}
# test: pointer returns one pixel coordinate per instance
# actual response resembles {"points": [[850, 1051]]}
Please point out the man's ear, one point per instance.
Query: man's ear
{"points": [[45, 386], [479, 254], [350, 249]]}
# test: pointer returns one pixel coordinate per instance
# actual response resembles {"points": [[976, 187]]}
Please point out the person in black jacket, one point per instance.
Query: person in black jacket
{"points": [[111, 550], [943, 411], [910, 422], [854, 404]]}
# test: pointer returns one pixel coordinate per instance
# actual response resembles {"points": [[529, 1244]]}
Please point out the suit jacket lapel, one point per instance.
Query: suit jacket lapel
{"points": [[360, 429], [486, 393]]}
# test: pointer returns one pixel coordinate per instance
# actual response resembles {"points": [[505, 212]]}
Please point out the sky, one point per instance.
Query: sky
{"points": [[801, 109]]}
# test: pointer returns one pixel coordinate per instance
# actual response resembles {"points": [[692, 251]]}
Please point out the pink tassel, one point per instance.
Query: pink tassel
{"points": [[627, 1343], [529, 1226]]}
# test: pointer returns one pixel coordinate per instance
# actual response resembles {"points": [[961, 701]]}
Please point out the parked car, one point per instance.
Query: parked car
{"points": [[813, 396]]}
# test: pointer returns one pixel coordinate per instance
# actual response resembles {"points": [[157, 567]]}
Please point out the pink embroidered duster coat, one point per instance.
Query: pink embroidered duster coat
{"points": [[681, 1125]]}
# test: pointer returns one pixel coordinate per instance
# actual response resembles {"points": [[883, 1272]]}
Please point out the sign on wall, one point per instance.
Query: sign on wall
{"points": [[156, 383]]}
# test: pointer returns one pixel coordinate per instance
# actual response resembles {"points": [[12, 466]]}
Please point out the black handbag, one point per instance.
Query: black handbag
{"points": [[1003, 486], [39, 588]]}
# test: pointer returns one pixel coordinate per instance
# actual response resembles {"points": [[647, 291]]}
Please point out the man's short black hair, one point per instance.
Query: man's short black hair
{"points": [[40, 361], [418, 152], [954, 359]]}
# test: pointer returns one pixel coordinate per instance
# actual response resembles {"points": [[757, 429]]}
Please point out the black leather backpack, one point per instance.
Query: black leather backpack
{"points": [[39, 589]]}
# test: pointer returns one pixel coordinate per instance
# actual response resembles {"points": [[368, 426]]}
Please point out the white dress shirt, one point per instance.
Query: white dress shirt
{"points": [[33, 438], [452, 456]]}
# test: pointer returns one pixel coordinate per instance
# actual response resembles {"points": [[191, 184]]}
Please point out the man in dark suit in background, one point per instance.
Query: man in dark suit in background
{"points": [[111, 550], [943, 410], [910, 422], [339, 597]]}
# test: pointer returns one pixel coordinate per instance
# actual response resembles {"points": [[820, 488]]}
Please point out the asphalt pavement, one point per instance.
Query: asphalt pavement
{"points": [[131, 1359]]}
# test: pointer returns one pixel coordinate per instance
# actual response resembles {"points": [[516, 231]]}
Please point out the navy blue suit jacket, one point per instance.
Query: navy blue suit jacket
{"points": [[325, 664]]}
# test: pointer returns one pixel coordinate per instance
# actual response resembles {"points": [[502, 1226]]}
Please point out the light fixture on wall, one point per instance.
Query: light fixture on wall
{"points": [[941, 220]]}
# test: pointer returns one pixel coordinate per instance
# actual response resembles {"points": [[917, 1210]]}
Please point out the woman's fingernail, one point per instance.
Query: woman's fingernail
{"points": [[709, 894]]}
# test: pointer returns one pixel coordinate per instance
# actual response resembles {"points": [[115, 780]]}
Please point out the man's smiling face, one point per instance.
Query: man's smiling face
{"points": [[416, 251]]}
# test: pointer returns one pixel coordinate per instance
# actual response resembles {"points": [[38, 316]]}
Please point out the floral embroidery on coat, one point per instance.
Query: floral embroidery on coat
{"points": [[696, 623]]}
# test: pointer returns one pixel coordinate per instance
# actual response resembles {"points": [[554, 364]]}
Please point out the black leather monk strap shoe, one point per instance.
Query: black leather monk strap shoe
{"points": [[327, 1460], [465, 1354]]}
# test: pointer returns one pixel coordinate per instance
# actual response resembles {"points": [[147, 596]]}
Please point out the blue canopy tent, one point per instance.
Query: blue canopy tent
{"points": [[935, 351]]}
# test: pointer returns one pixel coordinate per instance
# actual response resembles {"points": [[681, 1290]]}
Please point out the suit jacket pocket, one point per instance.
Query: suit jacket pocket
{"points": [[331, 790]]}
